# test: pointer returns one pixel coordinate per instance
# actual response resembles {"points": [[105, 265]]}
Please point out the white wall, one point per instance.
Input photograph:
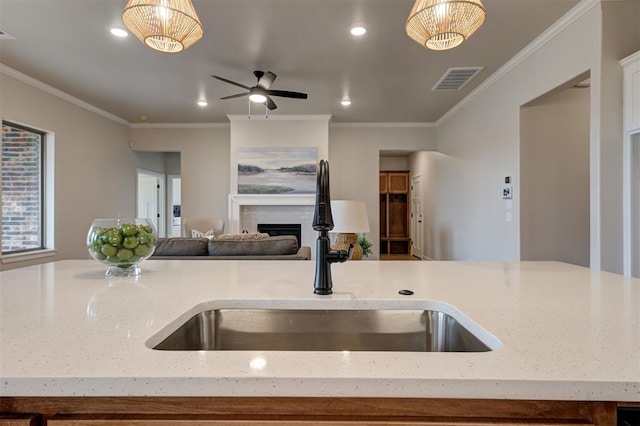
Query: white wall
{"points": [[479, 140], [394, 163], [172, 163], [620, 38], [554, 178], [478, 147], [354, 155], [151, 161], [95, 171], [204, 153]]}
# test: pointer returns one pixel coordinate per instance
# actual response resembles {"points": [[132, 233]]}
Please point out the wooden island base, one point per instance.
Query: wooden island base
{"points": [[287, 411]]}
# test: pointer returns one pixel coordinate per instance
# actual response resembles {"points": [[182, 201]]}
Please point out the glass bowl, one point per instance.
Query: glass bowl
{"points": [[121, 244]]}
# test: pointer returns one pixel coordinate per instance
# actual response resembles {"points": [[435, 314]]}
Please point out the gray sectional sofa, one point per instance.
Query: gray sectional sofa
{"points": [[283, 247]]}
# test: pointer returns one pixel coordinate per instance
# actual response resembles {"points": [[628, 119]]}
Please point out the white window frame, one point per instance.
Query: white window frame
{"points": [[48, 206]]}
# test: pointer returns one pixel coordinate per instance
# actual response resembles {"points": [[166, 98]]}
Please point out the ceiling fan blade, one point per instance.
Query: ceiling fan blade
{"points": [[287, 94], [266, 80], [270, 104], [239, 95], [231, 82]]}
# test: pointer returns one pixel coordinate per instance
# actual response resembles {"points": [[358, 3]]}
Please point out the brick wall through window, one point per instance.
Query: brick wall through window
{"points": [[21, 189]]}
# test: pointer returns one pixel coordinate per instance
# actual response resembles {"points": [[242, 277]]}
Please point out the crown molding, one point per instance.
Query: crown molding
{"points": [[556, 28], [180, 125], [260, 117], [630, 59], [11, 72], [282, 118], [383, 124]]}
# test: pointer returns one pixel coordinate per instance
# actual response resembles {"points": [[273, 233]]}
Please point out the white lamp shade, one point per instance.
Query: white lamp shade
{"points": [[349, 217]]}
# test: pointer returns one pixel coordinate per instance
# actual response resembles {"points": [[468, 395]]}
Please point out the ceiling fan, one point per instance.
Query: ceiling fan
{"points": [[261, 92]]}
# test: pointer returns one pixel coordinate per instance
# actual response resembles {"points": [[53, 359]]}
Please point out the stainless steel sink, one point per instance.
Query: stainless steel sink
{"points": [[322, 330]]}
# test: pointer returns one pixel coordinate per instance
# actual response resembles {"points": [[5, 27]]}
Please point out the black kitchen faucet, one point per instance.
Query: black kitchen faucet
{"points": [[323, 223]]}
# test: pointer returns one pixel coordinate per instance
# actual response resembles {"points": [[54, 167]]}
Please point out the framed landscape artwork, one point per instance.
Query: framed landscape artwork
{"points": [[266, 170]]}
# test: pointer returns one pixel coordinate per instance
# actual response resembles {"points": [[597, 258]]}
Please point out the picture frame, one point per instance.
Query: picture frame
{"points": [[277, 170]]}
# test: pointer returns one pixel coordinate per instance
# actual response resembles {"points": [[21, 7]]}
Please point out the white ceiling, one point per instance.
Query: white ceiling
{"points": [[67, 44]]}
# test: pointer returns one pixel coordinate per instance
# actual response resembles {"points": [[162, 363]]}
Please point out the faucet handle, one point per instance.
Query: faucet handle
{"points": [[344, 255], [339, 256], [351, 246]]}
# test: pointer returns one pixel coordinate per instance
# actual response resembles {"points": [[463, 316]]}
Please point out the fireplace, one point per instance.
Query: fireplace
{"points": [[246, 211], [275, 229]]}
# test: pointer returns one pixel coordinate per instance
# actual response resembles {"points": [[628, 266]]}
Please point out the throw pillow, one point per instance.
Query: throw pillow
{"points": [[244, 236], [195, 233]]}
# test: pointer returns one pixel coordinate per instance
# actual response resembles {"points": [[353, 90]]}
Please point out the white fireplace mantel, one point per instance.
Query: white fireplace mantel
{"points": [[236, 201]]}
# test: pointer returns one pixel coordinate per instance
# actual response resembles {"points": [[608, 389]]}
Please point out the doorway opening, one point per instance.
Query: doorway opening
{"points": [[401, 206], [174, 205], [555, 188], [632, 213], [150, 190], [416, 215], [158, 190]]}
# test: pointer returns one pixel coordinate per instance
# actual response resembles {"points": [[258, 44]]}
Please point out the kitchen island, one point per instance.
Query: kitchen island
{"points": [[72, 341]]}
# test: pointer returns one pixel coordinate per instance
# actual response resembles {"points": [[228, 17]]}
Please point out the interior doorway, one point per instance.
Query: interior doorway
{"points": [[632, 213], [555, 219], [417, 230], [150, 190], [396, 226], [174, 206]]}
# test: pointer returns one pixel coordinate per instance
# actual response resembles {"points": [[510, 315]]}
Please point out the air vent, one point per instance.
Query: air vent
{"points": [[456, 78], [6, 36]]}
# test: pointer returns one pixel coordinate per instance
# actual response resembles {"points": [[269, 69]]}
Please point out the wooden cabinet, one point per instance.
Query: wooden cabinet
{"points": [[394, 212], [397, 182], [19, 420], [292, 411], [167, 420], [384, 178], [132, 421]]}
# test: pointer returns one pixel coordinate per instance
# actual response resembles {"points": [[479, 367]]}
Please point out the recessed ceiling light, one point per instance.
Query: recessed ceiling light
{"points": [[203, 103], [358, 31], [119, 32], [345, 102]]}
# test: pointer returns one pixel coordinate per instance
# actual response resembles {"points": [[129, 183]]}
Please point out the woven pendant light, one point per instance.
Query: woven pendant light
{"points": [[444, 24], [165, 25]]}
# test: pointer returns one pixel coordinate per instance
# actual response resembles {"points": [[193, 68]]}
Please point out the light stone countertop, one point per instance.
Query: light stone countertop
{"points": [[562, 332]]}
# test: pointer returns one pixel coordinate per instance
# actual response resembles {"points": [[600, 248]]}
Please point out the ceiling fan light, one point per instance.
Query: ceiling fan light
{"points": [[166, 25], [444, 24], [257, 98]]}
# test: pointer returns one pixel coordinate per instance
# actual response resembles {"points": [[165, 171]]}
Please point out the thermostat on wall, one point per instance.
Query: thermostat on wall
{"points": [[507, 192]]}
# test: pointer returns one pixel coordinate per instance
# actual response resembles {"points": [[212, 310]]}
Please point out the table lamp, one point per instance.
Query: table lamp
{"points": [[349, 219]]}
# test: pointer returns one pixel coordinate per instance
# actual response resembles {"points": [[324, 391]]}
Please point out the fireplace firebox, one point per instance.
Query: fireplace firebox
{"points": [[274, 229]]}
